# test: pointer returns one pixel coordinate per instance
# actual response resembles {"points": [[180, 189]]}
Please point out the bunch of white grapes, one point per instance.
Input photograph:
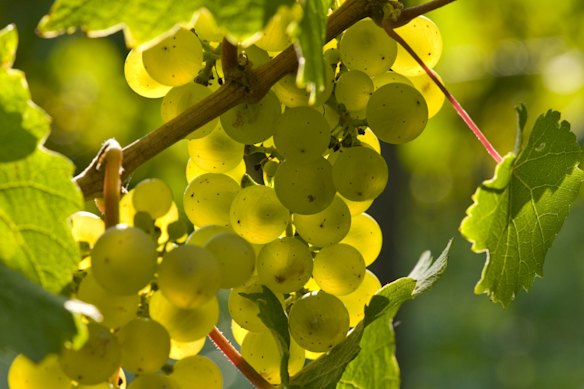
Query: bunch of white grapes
{"points": [[302, 230]]}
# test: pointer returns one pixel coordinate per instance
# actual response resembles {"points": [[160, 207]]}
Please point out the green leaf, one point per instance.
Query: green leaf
{"points": [[144, 21], [366, 358], [376, 365], [33, 321], [273, 316], [311, 37], [517, 214], [37, 193], [8, 45]]}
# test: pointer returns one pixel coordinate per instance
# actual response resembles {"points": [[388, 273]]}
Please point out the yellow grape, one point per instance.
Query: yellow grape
{"points": [[145, 345], [208, 198], [338, 269], [47, 374], [180, 350], [216, 152], [424, 37], [138, 78], [199, 369], [356, 300], [366, 236], [152, 196], [86, 227]]}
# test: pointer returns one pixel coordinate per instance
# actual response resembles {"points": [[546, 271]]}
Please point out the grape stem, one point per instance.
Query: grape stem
{"points": [[258, 82], [387, 26], [235, 358], [112, 156]]}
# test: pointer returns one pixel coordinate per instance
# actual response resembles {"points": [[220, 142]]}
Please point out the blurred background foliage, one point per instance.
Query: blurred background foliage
{"points": [[497, 54]]}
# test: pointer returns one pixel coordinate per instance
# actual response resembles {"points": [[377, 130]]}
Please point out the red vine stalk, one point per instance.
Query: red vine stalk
{"points": [[235, 358], [457, 107]]}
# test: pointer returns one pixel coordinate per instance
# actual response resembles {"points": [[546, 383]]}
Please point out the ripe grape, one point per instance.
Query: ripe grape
{"points": [[180, 350], [193, 171], [188, 276], [369, 139], [202, 235], [432, 94], [257, 215], [338, 269], [275, 36], [318, 321], [302, 133], [145, 345], [153, 381], [366, 236], [305, 186], [325, 227], [284, 265], [216, 152], [245, 311], [208, 198], [424, 38], [96, 360], [152, 196], [235, 258], [46, 374], [86, 227], [206, 27], [123, 260], [176, 59], [238, 332], [360, 173], [366, 47], [116, 309], [262, 352], [138, 78], [356, 300], [388, 78], [199, 369], [292, 96], [353, 89], [184, 325], [179, 99], [252, 123]]}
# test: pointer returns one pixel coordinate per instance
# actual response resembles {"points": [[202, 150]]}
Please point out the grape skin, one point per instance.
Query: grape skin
{"points": [[326, 227], [207, 199], [424, 38], [235, 258], [47, 374], [152, 196], [145, 345], [353, 89], [339, 269], [199, 369]]}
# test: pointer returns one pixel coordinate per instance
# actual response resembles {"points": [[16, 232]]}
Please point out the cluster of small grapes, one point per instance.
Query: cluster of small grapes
{"points": [[299, 228]]}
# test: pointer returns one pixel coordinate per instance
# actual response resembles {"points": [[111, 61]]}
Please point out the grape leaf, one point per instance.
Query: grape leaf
{"points": [[273, 316], [311, 34], [365, 359], [33, 321], [517, 214], [37, 193], [144, 21]]}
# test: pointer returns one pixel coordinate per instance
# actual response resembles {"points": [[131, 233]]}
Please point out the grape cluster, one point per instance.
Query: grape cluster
{"points": [[294, 220]]}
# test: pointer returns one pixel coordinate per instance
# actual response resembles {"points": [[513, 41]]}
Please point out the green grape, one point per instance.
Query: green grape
{"points": [[47, 374], [180, 350], [357, 207], [269, 168], [262, 352], [388, 78], [193, 171], [197, 369], [257, 215], [252, 123], [179, 99], [397, 113], [153, 381], [424, 38], [245, 311], [284, 265], [275, 36], [291, 95], [325, 227], [208, 198], [370, 139], [356, 300], [432, 93], [145, 345], [176, 59], [365, 235], [138, 78], [86, 227], [366, 47], [202, 235], [123, 260], [188, 276], [359, 173], [305, 187], [255, 55], [96, 361], [206, 27], [103, 385], [332, 56], [338, 269], [353, 89], [216, 152], [238, 332], [116, 309], [318, 321], [330, 114], [234, 256], [184, 325], [302, 133], [152, 196]]}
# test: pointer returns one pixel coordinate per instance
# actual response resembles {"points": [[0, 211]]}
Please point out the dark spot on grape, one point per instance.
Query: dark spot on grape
{"points": [[310, 198]]}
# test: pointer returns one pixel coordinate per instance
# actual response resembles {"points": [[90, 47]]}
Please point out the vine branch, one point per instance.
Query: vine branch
{"points": [[231, 94]]}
